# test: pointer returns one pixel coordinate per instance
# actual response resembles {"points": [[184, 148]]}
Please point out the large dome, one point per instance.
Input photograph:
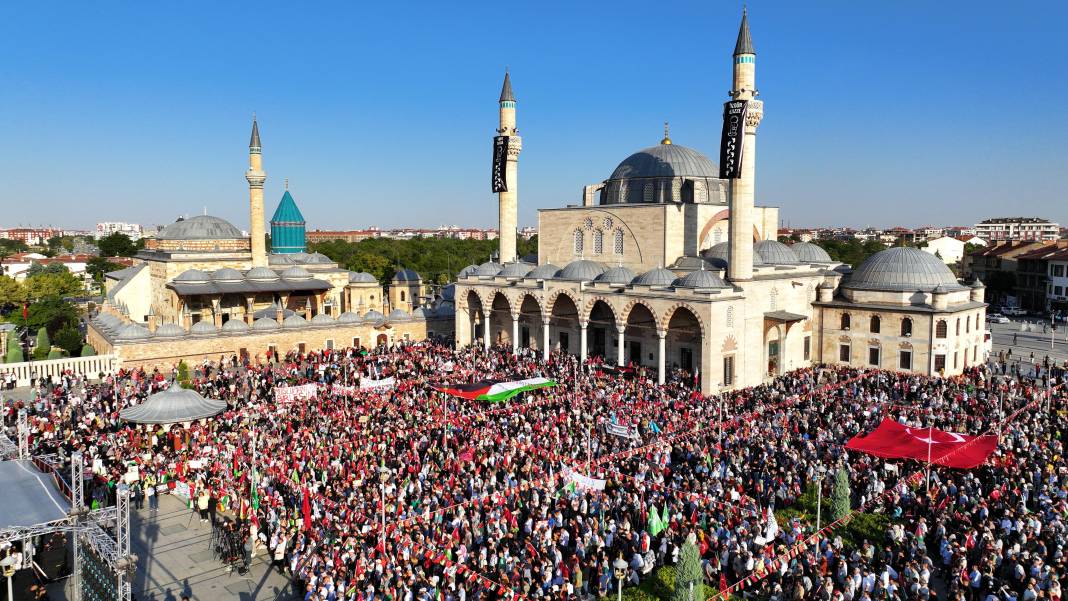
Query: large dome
{"points": [[666, 160], [200, 227], [903, 268]]}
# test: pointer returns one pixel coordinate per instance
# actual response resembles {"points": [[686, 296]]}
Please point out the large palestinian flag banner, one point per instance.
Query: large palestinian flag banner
{"points": [[495, 391]]}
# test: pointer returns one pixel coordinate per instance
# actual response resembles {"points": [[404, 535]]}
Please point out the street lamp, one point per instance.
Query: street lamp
{"points": [[621, 573], [383, 477], [820, 472]]}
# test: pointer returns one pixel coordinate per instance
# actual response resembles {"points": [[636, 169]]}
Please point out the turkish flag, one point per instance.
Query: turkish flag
{"points": [[892, 440], [306, 510]]}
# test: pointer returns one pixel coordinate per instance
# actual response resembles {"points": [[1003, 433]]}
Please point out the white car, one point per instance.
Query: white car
{"points": [[1015, 311], [997, 318]]}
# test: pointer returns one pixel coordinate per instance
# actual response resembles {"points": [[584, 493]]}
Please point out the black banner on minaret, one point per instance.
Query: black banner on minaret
{"points": [[730, 143], [500, 164]]}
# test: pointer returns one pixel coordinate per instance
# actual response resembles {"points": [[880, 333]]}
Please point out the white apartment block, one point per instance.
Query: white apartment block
{"points": [[1017, 228], [105, 228]]}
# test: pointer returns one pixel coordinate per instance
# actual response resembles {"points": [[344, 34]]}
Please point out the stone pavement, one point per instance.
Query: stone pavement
{"points": [[174, 559]]}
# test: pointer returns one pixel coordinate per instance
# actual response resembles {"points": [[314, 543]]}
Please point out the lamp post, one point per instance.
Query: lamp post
{"points": [[820, 471], [621, 573], [383, 477]]}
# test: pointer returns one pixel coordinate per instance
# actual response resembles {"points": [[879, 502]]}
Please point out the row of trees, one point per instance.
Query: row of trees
{"points": [[435, 259]]}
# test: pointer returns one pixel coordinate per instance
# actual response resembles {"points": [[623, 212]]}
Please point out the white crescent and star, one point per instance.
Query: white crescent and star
{"points": [[927, 439]]}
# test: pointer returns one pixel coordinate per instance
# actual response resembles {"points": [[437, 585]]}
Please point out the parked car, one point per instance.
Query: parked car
{"points": [[997, 318], [1014, 311]]}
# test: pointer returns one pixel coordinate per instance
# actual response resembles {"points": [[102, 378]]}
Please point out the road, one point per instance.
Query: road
{"points": [[1027, 342]]}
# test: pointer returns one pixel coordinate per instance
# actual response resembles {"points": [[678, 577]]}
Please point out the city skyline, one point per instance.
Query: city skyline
{"points": [[106, 120]]}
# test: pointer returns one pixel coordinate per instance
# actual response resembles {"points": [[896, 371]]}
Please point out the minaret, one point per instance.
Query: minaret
{"points": [[508, 201], [256, 177], [740, 249]]}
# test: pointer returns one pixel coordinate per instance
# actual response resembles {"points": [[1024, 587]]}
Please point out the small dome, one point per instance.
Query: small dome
{"points": [[811, 253], [318, 259], [373, 316], [581, 271], [940, 289], [656, 277], [323, 318], [203, 327], [264, 324], [294, 321], [516, 270], [617, 275], [296, 273], [192, 276], [719, 254], [361, 277], [200, 227], [261, 274], [398, 315], [773, 252], [903, 268], [348, 317], [134, 332], [282, 259], [169, 330], [546, 271], [226, 274], [467, 271], [235, 326], [489, 268], [419, 313], [406, 275], [701, 279]]}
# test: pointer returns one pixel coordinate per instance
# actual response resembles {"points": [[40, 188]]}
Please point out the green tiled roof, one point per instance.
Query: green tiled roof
{"points": [[287, 211]]}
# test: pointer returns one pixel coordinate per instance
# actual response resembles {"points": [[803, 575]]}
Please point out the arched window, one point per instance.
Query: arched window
{"points": [[617, 242], [598, 242], [402, 295], [906, 327], [941, 329], [958, 327], [845, 321], [579, 239], [875, 325], [967, 324]]}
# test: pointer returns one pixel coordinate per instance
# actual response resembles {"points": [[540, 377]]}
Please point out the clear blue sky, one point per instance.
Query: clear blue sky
{"points": [[881, 113]]}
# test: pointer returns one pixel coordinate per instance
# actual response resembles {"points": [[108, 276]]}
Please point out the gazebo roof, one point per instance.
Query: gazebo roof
{"points": [[171, 406]]}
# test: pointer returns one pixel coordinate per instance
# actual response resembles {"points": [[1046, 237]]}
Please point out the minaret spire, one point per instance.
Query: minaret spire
{"points": [[254, 142], [506, 89], [745, 40]]}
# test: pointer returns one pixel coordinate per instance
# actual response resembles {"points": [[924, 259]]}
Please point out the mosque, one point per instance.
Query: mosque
{"points": [[669, 264], [201, 289]]}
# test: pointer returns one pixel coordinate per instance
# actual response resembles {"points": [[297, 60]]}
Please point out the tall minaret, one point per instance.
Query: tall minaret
{"points": [[256, 176], [508, 201], [740, 249]]}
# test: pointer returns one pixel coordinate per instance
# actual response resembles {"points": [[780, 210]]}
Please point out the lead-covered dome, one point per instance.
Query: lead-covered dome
{"points": [[518, 269], [719, 254], [545, 271], [811, 253], [903, 268], [581, 271], [701, 279], [773, 252], [489, 268], [656, 277], [200, 227], [664, 173], [617, 275], [666, 160]]}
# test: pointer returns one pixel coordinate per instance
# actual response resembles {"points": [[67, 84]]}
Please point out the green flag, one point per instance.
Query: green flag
{"points": [[655, 524]]}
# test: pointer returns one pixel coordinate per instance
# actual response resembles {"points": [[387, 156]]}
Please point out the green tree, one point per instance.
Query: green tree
{"points": [[688, 573], [44, 344], [46, 285], [52, 313], [36, 269], [98, 266], [840, 494], [183, 375], [69, 339], [88, 351], [55, 353], [14, 350], [117, 244], [11, 291]]}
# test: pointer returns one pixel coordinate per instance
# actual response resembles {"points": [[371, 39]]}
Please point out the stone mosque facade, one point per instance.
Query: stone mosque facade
{"points": [[666, 265]]}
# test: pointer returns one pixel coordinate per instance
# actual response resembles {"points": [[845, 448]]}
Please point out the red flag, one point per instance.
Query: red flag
{"points": [[895, 441], [306, 510], [722, 582], [25, 312]]}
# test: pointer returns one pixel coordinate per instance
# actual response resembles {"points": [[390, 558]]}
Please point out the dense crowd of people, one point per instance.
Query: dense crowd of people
{"points": [[404, 492]]}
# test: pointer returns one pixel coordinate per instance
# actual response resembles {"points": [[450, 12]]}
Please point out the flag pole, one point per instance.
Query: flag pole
{"points": [[930, 433]]}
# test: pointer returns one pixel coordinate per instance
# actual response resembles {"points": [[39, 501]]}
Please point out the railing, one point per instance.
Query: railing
{"points": [[87, 366]]}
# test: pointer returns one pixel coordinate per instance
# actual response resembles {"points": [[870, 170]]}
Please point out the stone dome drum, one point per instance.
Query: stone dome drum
{"points": [[903, 269], [200, 227]]}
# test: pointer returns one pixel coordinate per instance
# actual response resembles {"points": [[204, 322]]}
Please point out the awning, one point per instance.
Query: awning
{"points": [[784, 316], [29, 497]]}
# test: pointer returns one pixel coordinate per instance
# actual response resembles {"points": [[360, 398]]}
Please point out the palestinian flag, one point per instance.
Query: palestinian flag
{"points": [[495, 391]]}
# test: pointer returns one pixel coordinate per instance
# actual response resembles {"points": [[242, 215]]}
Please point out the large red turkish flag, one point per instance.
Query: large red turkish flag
{"points": [[895, 441]]}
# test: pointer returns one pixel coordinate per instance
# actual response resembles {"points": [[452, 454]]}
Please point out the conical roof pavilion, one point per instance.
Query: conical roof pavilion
{"points": [[173, 405]]}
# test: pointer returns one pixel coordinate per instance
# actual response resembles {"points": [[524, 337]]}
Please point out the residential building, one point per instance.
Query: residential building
{"points": [[133, 231], [996, 266], [1057, 286], [1032, 275], [1001, 229], [33, 236]]}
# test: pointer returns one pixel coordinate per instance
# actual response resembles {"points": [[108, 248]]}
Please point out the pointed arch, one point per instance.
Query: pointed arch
{"points": [[666, 319], [587, 309], [624, 315], [550, 302]]}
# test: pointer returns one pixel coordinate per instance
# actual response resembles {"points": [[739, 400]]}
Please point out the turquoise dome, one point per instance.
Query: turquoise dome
{"points": [[287, 227]]}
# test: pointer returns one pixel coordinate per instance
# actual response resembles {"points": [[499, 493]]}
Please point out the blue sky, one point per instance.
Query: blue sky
{"points": [[881, 113]]}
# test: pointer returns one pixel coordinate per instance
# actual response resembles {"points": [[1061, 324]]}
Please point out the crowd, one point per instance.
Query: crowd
{"points": [[406, 493]]}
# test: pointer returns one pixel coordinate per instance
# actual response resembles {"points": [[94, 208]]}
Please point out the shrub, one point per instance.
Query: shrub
{"points": [[183, 375], [688, 573], [840, 495], [55, 353], [88, 350]]}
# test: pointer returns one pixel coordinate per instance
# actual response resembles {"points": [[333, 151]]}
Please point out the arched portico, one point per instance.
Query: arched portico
{"points": [[643, 337], [500, 314], [685, 338], [601, 332], [528, 322], [566, 329], [475, 318]]}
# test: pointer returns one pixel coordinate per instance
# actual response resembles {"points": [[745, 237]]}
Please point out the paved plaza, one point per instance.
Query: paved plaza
{"points": [[1031, 336]]}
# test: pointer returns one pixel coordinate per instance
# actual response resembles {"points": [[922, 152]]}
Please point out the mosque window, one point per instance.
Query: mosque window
{"points": [[906, 327], [618, 241], [648, 192], [958, 330], [607, 223], [588, 223], [875, 325], [730, 317], [598, 242], [941, 330], [578, 242], [845, 321]]}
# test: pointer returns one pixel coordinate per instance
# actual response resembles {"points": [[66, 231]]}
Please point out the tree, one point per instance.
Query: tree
{"points": [[840, 494], [69, 339], [52, 313], [116, 244], [98, 266], [44, 344], [41, 269], [688, 573], [11, 291], [10, 247], [48, 285], [14, 349], [55, 353]]}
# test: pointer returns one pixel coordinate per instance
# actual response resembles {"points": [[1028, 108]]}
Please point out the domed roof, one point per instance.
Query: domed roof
{"points": [[466, 271], [773, 252], [169, 330], [235, 326], [406, 275], [666, 160], [398, 315], [361, 277], [264, 324], [171, 406], [134, 332], [373, 316], [718, 254], [489, 268], [226, 274], [318, 259], [581, 271], [192, 276], [419, 313], [701, 279], [516, 270], [200, 227], [617, 275], [322, 318], [296, 273], [811, 253], [903, 268], [203, 328], [294, 321], [546, 271], [656, 277], [348, 317], [262, 274]]}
